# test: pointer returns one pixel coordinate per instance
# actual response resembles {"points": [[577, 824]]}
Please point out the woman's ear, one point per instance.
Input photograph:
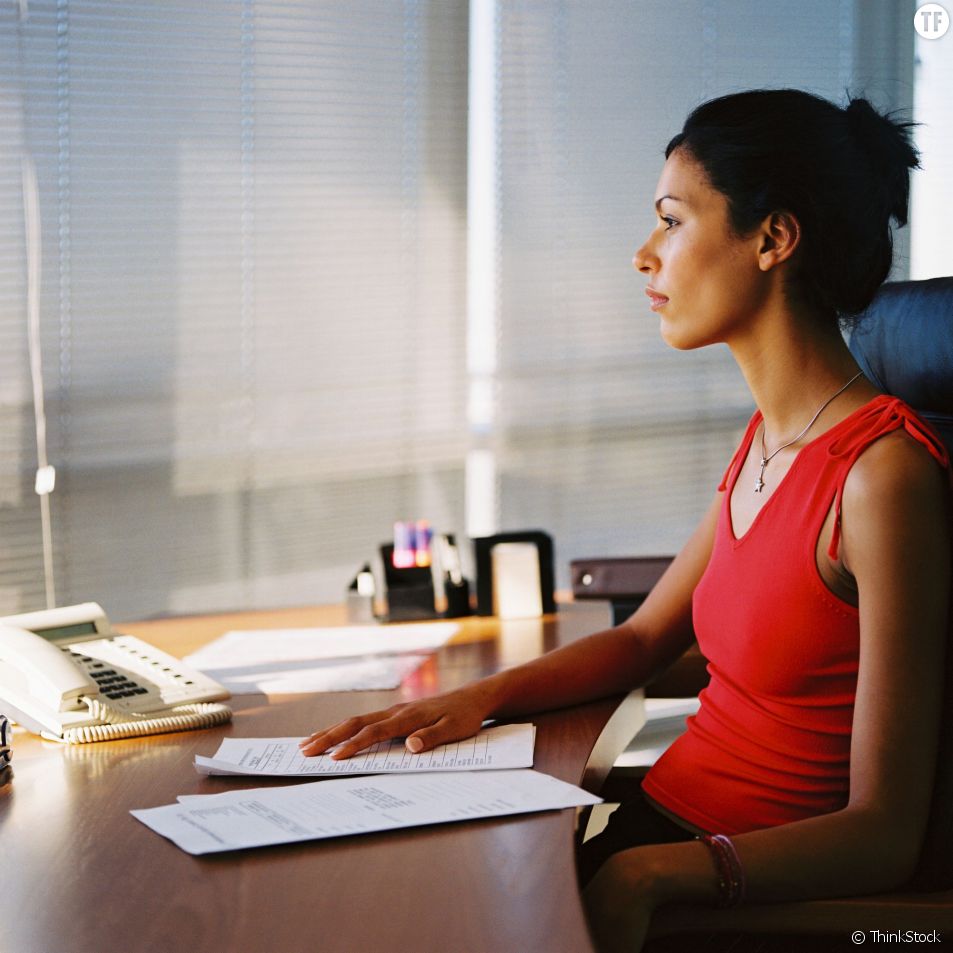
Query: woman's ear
{"points": [[780, 236]]}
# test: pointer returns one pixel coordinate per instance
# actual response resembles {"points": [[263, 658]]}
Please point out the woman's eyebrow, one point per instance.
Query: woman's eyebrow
{"points": [[659, 201]]}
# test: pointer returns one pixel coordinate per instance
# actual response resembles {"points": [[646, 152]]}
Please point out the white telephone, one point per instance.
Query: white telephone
{"points": [[65, 674]]}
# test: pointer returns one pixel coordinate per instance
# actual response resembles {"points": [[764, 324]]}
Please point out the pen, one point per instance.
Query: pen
{"points": [[450, 560]]}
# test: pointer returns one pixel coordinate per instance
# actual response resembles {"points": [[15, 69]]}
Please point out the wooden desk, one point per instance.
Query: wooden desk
{"points": [[78, 874]]}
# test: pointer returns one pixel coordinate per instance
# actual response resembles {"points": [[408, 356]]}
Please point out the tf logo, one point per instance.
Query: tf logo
{"points": [[931, 21]]}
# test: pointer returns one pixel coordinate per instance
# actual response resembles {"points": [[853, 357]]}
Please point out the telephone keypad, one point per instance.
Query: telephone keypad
{"points": [[152, 679]]}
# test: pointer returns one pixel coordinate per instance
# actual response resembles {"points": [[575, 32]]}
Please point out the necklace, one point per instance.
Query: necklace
{"points": [[766, 457]]}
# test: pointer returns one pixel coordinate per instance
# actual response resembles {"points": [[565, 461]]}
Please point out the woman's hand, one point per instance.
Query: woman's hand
{"points": [[425, 724], [606, 663]]}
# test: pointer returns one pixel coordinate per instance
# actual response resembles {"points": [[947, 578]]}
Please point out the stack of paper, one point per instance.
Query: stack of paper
{"points": [[483, 776], [203, 824], [347, 658], [500, 746]]}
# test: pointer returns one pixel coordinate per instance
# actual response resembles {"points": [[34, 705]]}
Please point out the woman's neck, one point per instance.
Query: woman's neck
{"points": [[792, 365]]}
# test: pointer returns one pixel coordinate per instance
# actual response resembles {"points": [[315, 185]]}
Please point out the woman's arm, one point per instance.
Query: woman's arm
{"points": [[896, 544], [606, 663]]}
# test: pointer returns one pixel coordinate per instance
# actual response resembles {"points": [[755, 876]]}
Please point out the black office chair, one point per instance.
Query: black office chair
{"points": [[904, 344]]}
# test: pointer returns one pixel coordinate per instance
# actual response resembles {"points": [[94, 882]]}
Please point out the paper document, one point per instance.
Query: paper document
{"points": [[332, 675], [500, 746], [341, 806], [346, 658]]}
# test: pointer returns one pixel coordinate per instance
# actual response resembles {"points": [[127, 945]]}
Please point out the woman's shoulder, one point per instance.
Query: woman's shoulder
{"points": [[896, 476], [897, 461], [893, 484]]}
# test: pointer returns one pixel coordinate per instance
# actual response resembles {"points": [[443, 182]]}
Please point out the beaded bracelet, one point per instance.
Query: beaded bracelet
{"points": [[731, 875], [6, 733]]}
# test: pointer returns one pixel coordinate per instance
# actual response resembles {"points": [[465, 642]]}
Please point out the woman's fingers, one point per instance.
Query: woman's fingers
{"points": [[451, 726], [320, 741], [367, 736], [425, 724], [426, 738], [354, 735]]}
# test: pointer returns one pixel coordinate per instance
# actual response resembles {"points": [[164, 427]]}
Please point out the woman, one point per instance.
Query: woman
{"points": [[818, 581]]}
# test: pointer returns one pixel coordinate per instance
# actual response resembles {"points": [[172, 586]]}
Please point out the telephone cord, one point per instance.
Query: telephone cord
{"points": [[120, 724]]}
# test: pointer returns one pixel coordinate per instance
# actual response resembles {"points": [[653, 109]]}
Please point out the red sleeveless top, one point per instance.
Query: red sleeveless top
{"points": [[771, 741]]}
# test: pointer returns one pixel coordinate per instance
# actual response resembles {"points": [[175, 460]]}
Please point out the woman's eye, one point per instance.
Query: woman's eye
{"points": [[670, 222]]}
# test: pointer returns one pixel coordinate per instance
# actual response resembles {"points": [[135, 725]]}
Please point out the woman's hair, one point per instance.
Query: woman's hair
{"points": [[842, 173]]}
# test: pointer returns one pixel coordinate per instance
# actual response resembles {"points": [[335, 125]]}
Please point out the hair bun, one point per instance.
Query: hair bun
{"points": [[863, 118], [887, 145]]}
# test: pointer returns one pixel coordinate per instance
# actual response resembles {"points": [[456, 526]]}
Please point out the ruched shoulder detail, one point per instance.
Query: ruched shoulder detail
{"points": [[881, 416]]}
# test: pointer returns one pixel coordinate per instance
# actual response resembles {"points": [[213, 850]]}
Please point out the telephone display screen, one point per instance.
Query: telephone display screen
{"points": [[59, 632]]}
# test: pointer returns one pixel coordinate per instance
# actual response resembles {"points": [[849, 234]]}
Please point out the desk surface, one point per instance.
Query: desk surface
{"points": [[79, 874]]}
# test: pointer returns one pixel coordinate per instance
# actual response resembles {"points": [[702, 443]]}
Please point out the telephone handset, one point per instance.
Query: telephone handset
{"points": [[65, 674]]}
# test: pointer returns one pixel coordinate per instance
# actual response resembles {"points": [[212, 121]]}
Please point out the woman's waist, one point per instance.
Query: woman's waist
{"points": [[763, 729]]}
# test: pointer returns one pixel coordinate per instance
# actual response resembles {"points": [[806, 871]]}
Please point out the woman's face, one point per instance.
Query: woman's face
{"points": [[704, 282]]}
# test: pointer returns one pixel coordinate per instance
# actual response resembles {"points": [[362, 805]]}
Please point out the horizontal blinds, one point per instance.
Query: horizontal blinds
{"points": [[253, 297], [253, 279], [607, 438]]}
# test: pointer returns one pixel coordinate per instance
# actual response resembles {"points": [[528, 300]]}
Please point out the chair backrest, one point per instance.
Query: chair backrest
{"points": [[904, 344]]}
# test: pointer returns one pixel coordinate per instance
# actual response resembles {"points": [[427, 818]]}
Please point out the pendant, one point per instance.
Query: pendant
{"points": [[759, 486]]}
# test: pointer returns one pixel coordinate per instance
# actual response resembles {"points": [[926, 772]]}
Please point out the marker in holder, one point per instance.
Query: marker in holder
{"points": [[456, 589]]}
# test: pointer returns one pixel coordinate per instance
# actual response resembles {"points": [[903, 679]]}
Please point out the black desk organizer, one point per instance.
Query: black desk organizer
{"points": [[458, 599], [410, 592]]}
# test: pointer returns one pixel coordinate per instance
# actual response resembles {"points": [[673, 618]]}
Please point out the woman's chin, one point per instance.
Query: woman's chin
{"points": [[676, 337]]}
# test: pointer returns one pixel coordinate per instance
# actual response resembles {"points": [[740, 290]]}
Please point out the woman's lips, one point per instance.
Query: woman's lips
{"points": [[656, 299]]}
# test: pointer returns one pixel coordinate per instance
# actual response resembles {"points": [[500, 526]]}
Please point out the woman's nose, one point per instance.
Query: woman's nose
{"points": [[644, 261]]}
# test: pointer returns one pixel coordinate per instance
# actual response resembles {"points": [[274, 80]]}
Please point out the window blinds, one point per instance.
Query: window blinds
{"points": [[253, 287], [253, 293], [606, 437]]}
